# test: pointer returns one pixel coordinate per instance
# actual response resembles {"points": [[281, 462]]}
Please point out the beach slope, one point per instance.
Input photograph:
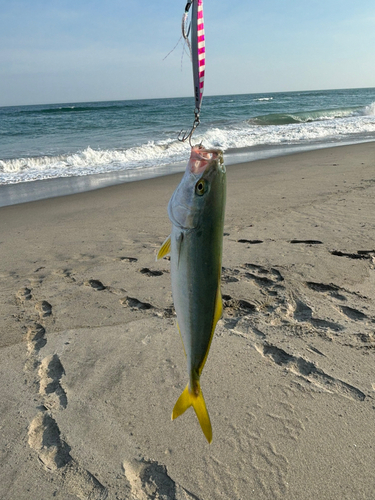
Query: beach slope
{"points": [[91, 361]]}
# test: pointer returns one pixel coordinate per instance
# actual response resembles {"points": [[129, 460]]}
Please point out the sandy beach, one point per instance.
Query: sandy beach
{"points": [[92, 364]]}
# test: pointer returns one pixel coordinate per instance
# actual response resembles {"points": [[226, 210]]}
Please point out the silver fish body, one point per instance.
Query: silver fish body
{"points": [[196, 211]]}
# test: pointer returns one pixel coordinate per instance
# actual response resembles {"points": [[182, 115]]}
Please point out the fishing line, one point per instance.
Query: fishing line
{"points": [[186, 32]]}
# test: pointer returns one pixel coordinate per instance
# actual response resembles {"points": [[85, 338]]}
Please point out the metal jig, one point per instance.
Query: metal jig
{"points": [[197, 51]]}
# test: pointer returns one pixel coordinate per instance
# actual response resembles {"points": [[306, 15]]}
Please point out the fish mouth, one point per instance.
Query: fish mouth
{"points": [[201, 158]]}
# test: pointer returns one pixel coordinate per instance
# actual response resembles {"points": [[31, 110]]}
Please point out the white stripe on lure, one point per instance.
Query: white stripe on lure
{"points": [[196, 211], [198, 51], [197, 47]]}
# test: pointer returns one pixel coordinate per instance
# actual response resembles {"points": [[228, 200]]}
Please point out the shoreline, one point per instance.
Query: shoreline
{"points": [[91, 362], [24, 192]]}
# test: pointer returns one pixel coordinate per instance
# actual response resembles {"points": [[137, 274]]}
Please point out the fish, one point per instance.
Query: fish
{"points": [[195, 245]]}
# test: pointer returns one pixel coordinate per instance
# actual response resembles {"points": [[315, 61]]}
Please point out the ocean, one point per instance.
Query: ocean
{"points": [[126, 140]]}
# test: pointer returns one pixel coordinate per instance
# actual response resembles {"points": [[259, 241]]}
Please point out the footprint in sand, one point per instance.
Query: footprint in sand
{"points": [[150, 273], [44, 437], [229, 275], [128, 259], [263, 276], [309, 371], [24, 294], [54, 453], [44, 308], [35, 337], [96, 285], [301, 312], [307, 242], [250, 242], [149, 480], [44, 434], [356, 256], [331, 289], [134, 303], [237, 307], [353, 314], [50, 373]]}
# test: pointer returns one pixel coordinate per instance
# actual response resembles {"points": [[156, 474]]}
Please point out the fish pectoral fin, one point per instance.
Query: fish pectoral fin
{"points": [[165, 249], [188, 399], [179, 240]]}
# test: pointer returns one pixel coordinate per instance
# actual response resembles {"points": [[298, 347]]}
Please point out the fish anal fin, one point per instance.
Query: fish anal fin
{"points": [[188, 399], [165, 249], [218, 309]]}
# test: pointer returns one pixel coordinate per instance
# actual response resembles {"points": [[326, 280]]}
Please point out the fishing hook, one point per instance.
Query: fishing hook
{"points": [[184, 136]]}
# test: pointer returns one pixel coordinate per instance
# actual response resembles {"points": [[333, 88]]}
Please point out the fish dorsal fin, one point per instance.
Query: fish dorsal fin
{"points": [[217, 315], [165, 249]]}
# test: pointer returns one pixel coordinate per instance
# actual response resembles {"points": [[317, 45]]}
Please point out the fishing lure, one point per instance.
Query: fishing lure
{"points": [[198, 56]]}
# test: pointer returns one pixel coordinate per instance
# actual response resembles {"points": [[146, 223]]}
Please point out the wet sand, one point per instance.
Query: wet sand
{"points": [[91, 362]]}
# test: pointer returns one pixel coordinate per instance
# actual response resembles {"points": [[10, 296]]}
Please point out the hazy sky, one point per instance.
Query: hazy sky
{"points": [[55, 51]]}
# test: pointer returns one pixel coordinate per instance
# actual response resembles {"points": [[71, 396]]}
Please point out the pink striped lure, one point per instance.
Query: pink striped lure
{"points": [[198, 55], [198, 51]]}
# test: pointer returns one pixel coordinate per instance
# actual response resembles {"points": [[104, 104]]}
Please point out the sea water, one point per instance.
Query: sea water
{"points": [[132, 139]]}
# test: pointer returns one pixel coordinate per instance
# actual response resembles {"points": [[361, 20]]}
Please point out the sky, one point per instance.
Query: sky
{"points": [[61, 51]]}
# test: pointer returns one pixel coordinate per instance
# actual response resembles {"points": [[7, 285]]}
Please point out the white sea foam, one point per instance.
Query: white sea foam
{"points": [[324, 131], [370, 109], [171, 151], [91, 161]]}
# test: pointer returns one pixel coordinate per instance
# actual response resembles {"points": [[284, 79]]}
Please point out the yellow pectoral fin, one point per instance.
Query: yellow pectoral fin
{"points": [[188, 399], [165, 249]]}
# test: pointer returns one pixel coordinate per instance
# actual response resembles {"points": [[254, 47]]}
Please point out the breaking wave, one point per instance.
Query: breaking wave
{"points": [[352, 124], [313, 115], [369, 110], [91, 161]]}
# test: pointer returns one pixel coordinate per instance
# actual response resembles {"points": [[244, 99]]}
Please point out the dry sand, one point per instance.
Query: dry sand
{"points": [[91, 363]]}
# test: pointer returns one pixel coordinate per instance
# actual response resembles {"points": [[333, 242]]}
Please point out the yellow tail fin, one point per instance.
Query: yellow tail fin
{"points": [[197, 402]]}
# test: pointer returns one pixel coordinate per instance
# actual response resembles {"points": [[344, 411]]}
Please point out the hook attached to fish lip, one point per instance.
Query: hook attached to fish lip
{"points": [[184, 136]]}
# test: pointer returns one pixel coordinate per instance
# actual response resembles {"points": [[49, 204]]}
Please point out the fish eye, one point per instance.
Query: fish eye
{"points": [[201, 187]]}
